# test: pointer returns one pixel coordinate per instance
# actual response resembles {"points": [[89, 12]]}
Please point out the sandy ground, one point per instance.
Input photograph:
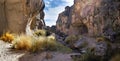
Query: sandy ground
{"points": [[6, 54]]}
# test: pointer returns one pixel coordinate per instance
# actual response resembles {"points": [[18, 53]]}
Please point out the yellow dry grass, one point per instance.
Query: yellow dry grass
{"points": [[51, 43], [7, 37], [35, 44], [22, 42], [39, 44], [29, 43]]}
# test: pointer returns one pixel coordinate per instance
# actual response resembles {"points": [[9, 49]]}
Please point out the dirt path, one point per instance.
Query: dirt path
{"points": [[6, 54]]}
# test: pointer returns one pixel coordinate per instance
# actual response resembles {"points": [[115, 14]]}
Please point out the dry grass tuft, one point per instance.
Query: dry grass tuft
{"points": [[22, 42], [7, 37], [39, 44], [51, 43]]}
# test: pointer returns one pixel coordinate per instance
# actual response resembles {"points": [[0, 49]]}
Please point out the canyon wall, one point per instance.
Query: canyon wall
{"points": [[14, 14], [91, 17]]}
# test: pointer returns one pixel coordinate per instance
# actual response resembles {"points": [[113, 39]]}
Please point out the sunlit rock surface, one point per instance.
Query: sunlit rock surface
{"points": [[14, 14]]}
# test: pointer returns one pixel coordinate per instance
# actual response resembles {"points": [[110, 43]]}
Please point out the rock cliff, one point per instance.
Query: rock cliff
{"points": [[14, 14], [92, 17]]}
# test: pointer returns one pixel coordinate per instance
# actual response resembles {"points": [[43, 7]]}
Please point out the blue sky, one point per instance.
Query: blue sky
{"points": [[53, 8]]}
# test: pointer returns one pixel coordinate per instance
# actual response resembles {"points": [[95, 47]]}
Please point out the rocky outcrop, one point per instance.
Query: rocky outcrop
{"points": [[93, 17], [14, 14]]}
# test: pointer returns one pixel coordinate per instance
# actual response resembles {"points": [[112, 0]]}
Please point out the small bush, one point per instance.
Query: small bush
{"points": [[71, 39], [40, 33], [51, 43], [7, 37]]}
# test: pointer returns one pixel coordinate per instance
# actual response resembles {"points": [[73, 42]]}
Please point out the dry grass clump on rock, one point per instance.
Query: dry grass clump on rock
{"points": [[7, 37]]}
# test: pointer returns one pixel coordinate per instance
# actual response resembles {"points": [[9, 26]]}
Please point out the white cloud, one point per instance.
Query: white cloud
{"points": [[51, 14], [69, 2], [47, 3]]}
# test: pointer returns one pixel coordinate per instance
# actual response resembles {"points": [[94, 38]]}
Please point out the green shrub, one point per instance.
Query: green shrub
{"points": [[40, 33], [71, 39], [51, 43]]}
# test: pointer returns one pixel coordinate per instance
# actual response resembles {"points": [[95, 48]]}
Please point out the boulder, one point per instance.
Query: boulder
{"points": [[86, 43]]}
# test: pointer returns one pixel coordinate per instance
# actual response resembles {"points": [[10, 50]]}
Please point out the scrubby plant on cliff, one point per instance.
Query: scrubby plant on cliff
{"points": [[7, 37]]}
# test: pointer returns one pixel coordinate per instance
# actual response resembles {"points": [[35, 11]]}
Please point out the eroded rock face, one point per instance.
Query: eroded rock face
{"points": [[92, 17], [14, 14]]}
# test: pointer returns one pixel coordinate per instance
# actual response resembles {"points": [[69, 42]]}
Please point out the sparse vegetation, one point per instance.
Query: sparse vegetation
{"points": [[88, 56], [62, 48], [41, 43]]}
